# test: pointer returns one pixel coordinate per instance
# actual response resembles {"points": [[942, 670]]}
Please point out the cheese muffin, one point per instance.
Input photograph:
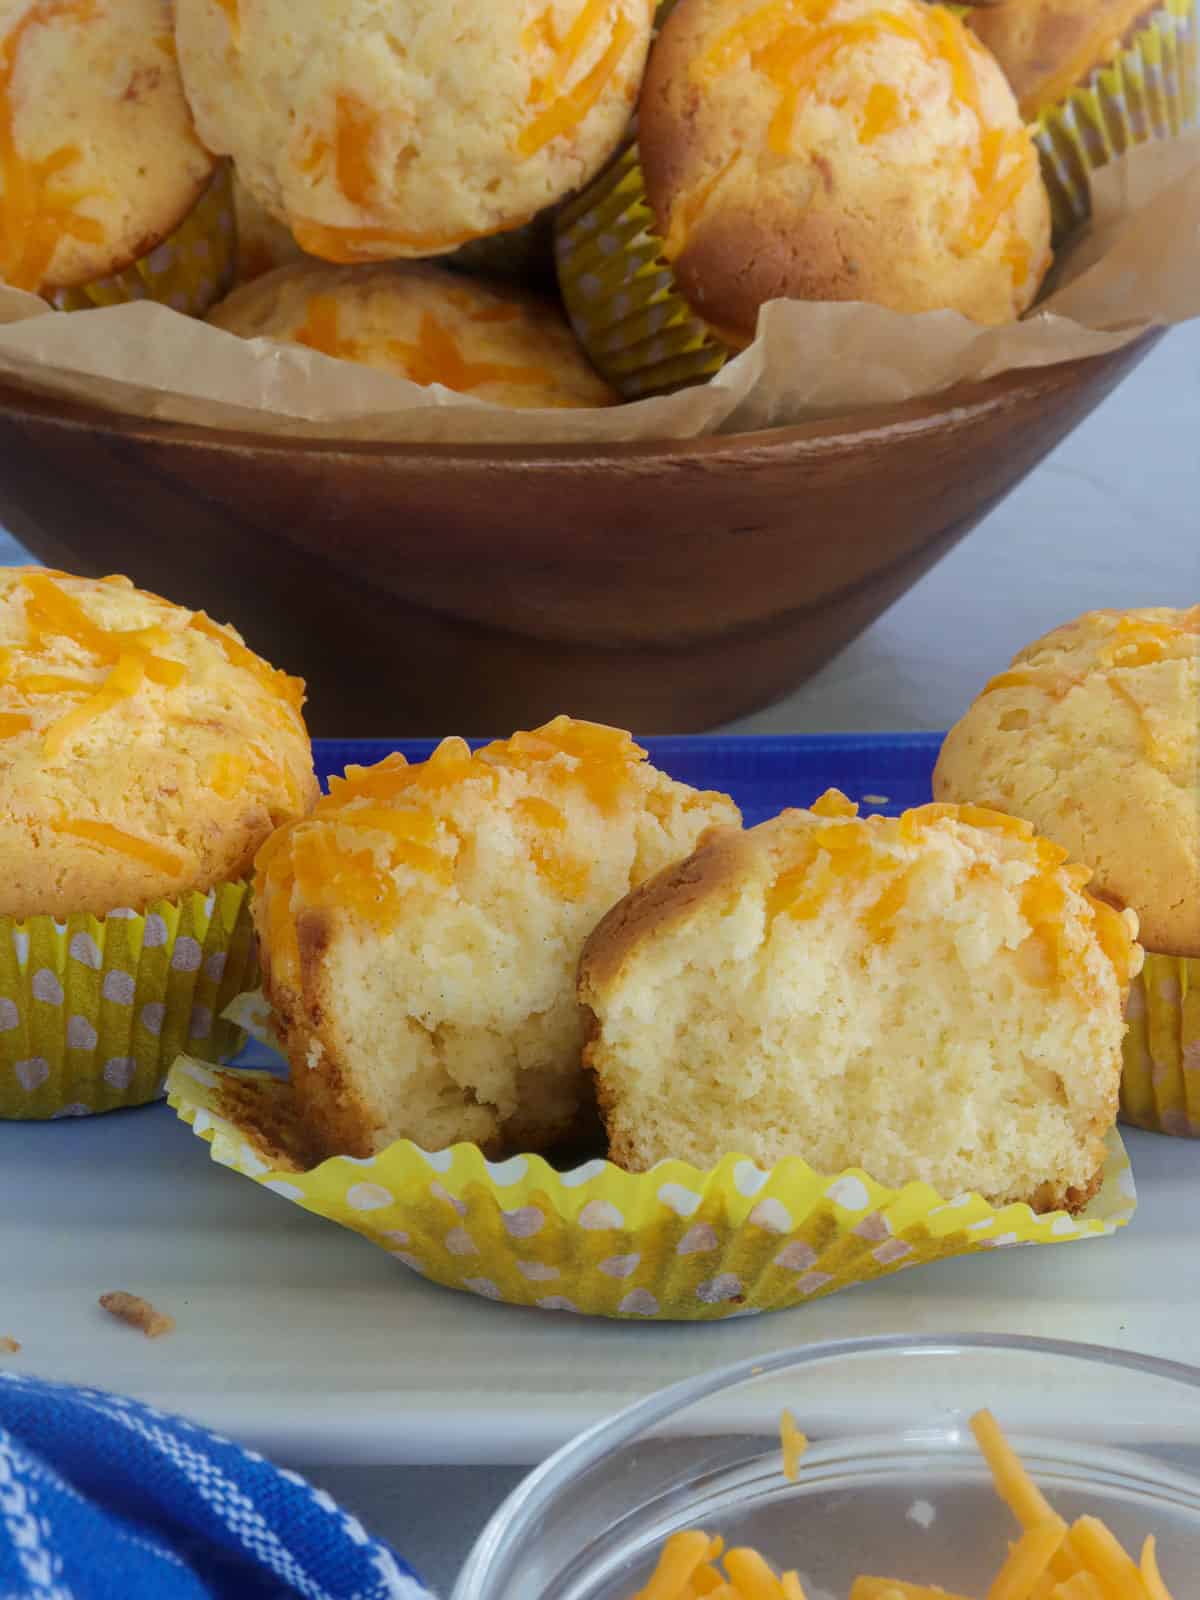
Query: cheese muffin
{"points": [[426, 324], [1049, 47], [409, 129], [931, 998], [420, 933], [858, 150], [145, 751], [1092, 735], [145, 755], [100, 161]]}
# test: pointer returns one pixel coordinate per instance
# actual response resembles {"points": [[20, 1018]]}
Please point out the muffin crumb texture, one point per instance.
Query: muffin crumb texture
{"points": [[420, 933], [144, 750], [1092, 735], [932, 998]]}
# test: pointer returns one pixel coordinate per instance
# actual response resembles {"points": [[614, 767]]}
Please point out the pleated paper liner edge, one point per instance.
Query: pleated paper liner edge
{"points": [[93, 1010], [1160, 1085], [674, 1244]]}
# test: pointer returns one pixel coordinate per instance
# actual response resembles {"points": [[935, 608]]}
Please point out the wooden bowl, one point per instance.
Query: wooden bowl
{"points": [[436, 589]]}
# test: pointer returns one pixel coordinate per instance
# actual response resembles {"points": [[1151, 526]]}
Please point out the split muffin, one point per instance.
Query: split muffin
{"points": [[420, 934], [101, 165], [410, 129], [931, 998], [145, 755], [1092, 734], [425, 324]]}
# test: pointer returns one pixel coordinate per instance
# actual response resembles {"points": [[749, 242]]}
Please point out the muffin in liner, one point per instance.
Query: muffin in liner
{"points": [[1151, 90], [620, 292], [190, 270], [643, 336], [1160, 1086], [93, 1010], [673, 1244]]}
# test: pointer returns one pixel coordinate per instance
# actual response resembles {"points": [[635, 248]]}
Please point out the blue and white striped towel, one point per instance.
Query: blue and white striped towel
{"points": [[103, 1498]]}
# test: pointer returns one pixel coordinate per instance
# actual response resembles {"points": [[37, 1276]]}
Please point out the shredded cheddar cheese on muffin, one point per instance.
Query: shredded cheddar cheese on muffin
{"points": [[1092, 734], [420, 933], [865, 150], [425, 324], [408, 132], [39, 203], [144, 749]]}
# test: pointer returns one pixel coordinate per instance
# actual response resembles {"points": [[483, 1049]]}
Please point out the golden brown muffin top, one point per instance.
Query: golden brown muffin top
{"points": [[838, 150], [383, 132], [1047, 47], [144, 750], [869, 867], [380, 826], [99, 160], [425, 324], [1093, 736]]}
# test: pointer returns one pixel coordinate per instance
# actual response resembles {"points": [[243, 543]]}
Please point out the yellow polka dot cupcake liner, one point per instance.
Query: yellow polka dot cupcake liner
{"points": [[93, 1010], [1160, 1086], [189, 271], [674, 1244], [637, 329], [1150, 91]]}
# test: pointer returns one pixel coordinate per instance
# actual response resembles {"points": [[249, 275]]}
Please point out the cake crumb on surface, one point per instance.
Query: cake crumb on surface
{"points": [[138, 1313]]}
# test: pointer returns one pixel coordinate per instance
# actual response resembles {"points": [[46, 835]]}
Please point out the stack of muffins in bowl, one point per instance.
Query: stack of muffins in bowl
{"points": [[632, 182], [559, 1028]]}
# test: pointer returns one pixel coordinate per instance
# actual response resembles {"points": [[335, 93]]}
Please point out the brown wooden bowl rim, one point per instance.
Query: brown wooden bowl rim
{"points": [[962, 402]]}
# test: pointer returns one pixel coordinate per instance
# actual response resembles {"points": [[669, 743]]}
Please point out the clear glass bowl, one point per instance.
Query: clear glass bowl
{"points": [[891, 1484]]}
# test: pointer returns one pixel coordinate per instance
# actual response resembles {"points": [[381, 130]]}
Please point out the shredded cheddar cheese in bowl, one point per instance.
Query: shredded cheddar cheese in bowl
{"points": [[1050, 1560]]}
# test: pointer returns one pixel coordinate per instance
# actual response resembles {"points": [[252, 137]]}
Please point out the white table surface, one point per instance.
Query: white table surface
{"points": [[1111, 519]]}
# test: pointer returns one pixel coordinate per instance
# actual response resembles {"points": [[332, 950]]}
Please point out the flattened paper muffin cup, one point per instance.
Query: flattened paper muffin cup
{"points": [[94, 1010], [189, 271], [1150, 91], [620, 294], [1160, 1086], [674, 1244]]}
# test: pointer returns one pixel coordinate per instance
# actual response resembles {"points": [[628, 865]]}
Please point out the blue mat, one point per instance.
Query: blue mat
{"points": [[885, 772]]}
